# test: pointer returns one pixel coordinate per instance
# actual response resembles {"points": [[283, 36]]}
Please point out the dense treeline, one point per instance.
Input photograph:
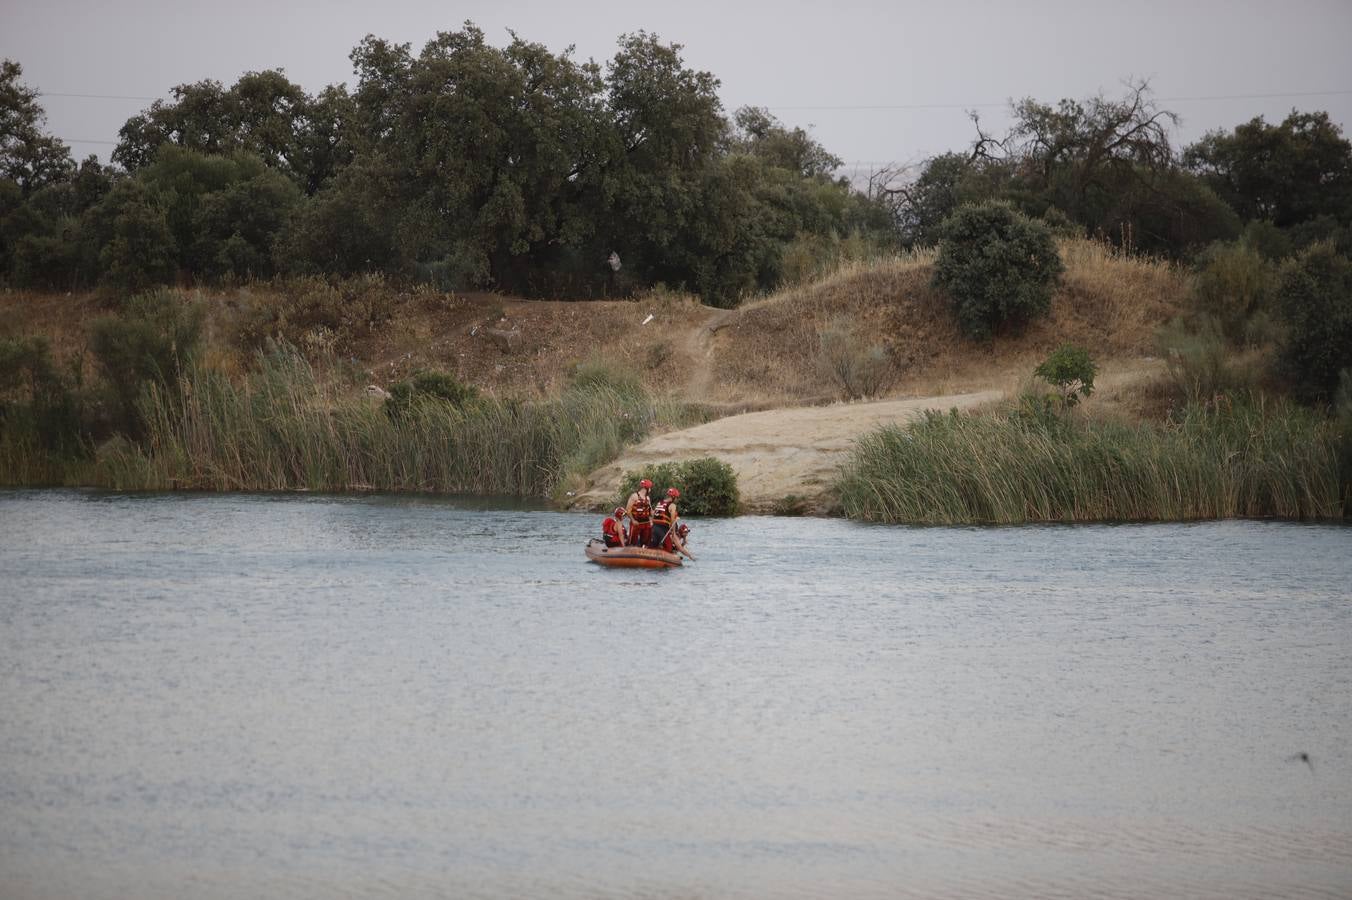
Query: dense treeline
{"points": [[470, 165], [465, 165], [1106, 168]]}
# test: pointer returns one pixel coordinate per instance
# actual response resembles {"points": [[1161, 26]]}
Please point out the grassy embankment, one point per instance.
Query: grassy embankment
{"points": [[273, 423], [1250, 458], [1205, 440], [280, 427]]}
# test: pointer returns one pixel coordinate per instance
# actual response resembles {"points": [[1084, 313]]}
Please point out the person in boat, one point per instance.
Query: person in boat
{"points": [[612, 529], [665, 521], [640, 511]]}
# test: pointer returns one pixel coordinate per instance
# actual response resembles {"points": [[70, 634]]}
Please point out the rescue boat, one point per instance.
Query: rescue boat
{"points": [[630, 557]]}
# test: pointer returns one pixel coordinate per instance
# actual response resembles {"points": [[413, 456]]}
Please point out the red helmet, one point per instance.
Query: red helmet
{"points": [[645, 483], [683, 529], [672, 492], [619, 512]]}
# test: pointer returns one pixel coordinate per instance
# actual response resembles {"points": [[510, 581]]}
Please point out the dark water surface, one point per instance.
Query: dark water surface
{"points": [[313, 697]]}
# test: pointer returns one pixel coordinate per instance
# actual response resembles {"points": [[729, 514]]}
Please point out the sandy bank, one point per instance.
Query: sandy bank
{"points": [[775, 453]]}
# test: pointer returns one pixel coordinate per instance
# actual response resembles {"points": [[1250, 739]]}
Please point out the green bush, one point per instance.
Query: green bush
{"points": [[428, 385], [1314, 301], [151, 341], [317, 315], [708, 486], [999, 267], [39, 408], [1199, 364], [1071, 371], [1233, 285]]}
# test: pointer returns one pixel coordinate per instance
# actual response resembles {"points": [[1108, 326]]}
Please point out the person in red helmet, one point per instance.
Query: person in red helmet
{"points": [[612, 529], [666, 524], [640, 511]]}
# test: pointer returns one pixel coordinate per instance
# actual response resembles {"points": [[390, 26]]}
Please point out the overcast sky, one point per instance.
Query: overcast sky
{"points": [[1215, 63]]}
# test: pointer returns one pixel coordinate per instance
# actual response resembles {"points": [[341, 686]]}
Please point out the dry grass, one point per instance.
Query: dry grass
{"points": [[1107, 302], [763, 354]]}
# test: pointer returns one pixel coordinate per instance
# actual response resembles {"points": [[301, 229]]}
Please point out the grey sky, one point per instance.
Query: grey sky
{"points": [[800, 59]]}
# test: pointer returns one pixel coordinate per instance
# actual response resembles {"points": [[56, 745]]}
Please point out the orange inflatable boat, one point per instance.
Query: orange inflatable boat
{"points": [[630, 557]]}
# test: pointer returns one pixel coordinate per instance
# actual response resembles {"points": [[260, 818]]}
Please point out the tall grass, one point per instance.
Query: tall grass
{"points": [[1253, 458], [282, 428]]}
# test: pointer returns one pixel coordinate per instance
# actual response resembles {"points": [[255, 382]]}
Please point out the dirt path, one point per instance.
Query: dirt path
{"points": [[698, 345], [777, 453]]}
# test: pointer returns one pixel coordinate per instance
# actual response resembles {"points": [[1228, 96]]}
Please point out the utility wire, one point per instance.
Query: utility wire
{"points": [[869, 106], [96, 96], [865, 107]]}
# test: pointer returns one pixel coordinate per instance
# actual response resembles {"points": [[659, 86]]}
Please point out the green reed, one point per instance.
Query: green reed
{"points": [[283, 428], [1252, 458]]}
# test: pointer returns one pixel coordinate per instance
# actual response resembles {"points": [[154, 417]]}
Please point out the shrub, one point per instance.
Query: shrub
{"points": [[596, 373], [708, 486], [1071, 371], [1314, 300], [429, 385], [1233, 285], [998, 266], [1198, 363], [318, 315], [859, 370], [39, 409], [152, 340]]}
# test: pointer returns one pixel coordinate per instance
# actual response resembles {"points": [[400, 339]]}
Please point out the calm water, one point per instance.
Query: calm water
{"points": [[254, 696]]}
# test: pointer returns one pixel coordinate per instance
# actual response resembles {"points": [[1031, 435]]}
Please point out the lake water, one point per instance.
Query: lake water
{"points": [[315, 697]]}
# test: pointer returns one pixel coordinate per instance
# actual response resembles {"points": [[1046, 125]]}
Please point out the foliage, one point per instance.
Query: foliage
{"points": [[151, 342], [284, 426], [1071, 370], [318, 315], [1342, 412], [998, 266], [859, 369], [136, 244], [598, 373], [1314, 301], [1233, 284], [1199, 365], [762, 135], [437, 386], [945, 182], [708, 486], [263, 115], [28, 157], [1245, 458], [1285, 174], [38, 405]]}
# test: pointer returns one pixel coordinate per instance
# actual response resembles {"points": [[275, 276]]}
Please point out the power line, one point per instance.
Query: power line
{"points": [[93, 96], [867, 107]]}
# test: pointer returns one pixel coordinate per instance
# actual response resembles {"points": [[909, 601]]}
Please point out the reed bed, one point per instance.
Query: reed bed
{"points": [[1255, 458], [282, 428]]}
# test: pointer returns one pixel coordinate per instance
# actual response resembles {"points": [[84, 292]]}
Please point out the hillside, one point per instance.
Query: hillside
{"points": [[761, 355]]}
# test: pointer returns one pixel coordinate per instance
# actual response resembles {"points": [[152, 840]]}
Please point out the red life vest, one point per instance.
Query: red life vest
{"points": [[662, 514], [611, 528], [642, 510]]}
